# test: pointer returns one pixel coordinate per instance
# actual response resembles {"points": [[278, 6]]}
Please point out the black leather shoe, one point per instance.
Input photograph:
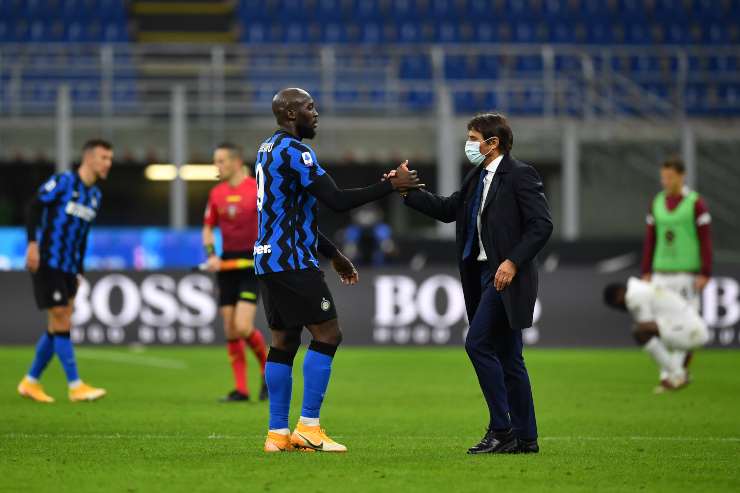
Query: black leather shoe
{"points": [[496, 443], [235, 396], [528, 446]]}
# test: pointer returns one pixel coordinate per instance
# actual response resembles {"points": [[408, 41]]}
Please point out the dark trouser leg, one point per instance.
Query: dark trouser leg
{"points": [[480, 347], [508, 345]]}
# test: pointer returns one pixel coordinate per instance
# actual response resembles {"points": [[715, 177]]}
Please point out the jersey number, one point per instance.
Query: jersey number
{"points": [[260, 176]]}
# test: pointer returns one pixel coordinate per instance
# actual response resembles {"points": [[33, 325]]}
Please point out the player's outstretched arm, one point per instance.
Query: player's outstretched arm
{"points": [[325, 189]]}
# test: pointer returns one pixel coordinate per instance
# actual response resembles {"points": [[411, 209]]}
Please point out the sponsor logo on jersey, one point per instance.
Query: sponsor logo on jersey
{"points": [[233, 198], [266, 147], [307, 159], [50, 185], [78, 210], [262, 249]]}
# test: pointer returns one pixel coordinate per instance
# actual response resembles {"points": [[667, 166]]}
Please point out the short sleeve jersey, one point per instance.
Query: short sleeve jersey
{"points": [[70, 207], [234, 210]]}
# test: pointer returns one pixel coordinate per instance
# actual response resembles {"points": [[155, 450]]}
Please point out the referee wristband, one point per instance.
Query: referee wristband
{"points": [[210, 249]]}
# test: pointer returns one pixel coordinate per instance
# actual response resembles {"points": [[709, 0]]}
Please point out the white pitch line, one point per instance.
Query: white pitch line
{"points": [[216, 436], [113, 357]]}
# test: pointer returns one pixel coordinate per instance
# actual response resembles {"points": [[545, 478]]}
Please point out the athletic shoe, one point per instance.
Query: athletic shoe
{"points": [[263, 391], [496, 443], [235, 396], [310, 438], [275, 442], [84, 392], [670, 384], [34, 391]]}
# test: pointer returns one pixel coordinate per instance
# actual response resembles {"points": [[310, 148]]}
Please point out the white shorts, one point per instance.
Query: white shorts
{"points": [[683, 331], [681, 283]]}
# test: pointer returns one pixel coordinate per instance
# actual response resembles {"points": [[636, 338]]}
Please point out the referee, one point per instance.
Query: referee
{"points": [[677, 254]]}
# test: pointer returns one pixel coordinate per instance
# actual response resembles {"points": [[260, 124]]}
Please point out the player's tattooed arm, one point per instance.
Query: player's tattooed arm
{"points": [[326, 247], [345, 269], [341, 264]]}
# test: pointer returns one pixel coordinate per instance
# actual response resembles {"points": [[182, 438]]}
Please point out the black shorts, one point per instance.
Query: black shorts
{"points": [[53, 287], [296, 298], [237, 285]]}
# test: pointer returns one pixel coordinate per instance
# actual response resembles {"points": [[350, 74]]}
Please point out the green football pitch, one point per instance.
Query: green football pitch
{"points": [[407, 416]]}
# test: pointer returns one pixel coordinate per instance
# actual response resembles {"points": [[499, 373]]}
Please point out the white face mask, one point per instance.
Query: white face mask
{"points": [[472, 151]]}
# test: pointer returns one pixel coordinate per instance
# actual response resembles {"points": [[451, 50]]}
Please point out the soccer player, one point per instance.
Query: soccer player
{"points": [[295, 295], [677, 253], [666, 325], [59, 220], [232, 206]]}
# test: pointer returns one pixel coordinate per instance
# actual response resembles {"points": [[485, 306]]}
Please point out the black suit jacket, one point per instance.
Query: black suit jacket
{"points": [[516, 224]]}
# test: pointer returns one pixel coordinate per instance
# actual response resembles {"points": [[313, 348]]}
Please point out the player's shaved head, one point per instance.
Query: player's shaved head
{"points": [[295, 112], [288, 99]]}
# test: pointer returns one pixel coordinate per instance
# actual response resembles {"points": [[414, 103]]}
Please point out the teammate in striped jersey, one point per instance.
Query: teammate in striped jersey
{"points": [[59, 220]]}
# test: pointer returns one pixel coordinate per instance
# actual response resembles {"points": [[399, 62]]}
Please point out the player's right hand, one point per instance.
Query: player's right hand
{"points": [[405, 179], [213, 264], [32, 256]]}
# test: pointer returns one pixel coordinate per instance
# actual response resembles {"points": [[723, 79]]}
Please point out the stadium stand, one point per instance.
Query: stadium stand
{"points": [[384, 56]]}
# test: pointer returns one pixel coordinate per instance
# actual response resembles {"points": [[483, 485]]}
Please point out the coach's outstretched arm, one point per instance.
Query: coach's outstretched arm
{"points": [[535, 215], [325, 189], [435, 206]]}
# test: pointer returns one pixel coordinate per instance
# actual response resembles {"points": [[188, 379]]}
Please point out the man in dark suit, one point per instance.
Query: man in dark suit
{"points": [[503, 221]]}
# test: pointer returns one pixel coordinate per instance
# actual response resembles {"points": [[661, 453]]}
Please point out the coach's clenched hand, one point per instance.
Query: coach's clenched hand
{"points": [[343, 266], [504, 275]]}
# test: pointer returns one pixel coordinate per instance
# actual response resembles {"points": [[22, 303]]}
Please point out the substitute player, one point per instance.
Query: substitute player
{"points": [[677, 254], [59, 220], [295, 295], [666, 324], [232, 206]]}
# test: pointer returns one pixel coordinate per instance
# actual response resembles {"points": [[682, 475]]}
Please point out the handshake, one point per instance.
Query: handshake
{"points": [[403, 179]]}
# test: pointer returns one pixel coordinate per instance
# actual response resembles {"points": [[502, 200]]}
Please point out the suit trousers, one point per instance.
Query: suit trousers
{"points": [[495, 349]]}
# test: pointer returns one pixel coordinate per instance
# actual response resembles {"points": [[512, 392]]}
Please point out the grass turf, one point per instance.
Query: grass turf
{"points": [[407, 416]]}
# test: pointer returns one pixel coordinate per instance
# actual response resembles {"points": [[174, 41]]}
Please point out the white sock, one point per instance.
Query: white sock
{"points": [[31, 379], [678, 356], [75, 383], [309, 421], [662, 356], [281, 431]]}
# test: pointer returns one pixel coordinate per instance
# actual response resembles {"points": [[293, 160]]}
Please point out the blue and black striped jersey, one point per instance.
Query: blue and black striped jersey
{"points": [[69, 208], [288, 231]]}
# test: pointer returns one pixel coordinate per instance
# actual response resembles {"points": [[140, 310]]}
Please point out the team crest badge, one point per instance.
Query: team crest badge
{"points": [[57, 296], [231, 211], [325, 304]]}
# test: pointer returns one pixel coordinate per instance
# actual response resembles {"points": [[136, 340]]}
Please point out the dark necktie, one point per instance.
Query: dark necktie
{"points": [[475, 205]]}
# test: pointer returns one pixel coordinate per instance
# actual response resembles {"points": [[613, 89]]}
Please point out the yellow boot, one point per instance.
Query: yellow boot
{"points": [[33, 390]]}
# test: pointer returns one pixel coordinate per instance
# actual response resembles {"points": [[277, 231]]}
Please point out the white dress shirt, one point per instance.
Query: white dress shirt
{"points": [[490, 171]]}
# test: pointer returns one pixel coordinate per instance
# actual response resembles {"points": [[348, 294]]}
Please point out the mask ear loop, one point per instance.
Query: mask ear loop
{"points": [[489, 138]]}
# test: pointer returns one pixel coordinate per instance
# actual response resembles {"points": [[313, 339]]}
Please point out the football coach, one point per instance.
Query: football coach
{"points": [[503, 221]]}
